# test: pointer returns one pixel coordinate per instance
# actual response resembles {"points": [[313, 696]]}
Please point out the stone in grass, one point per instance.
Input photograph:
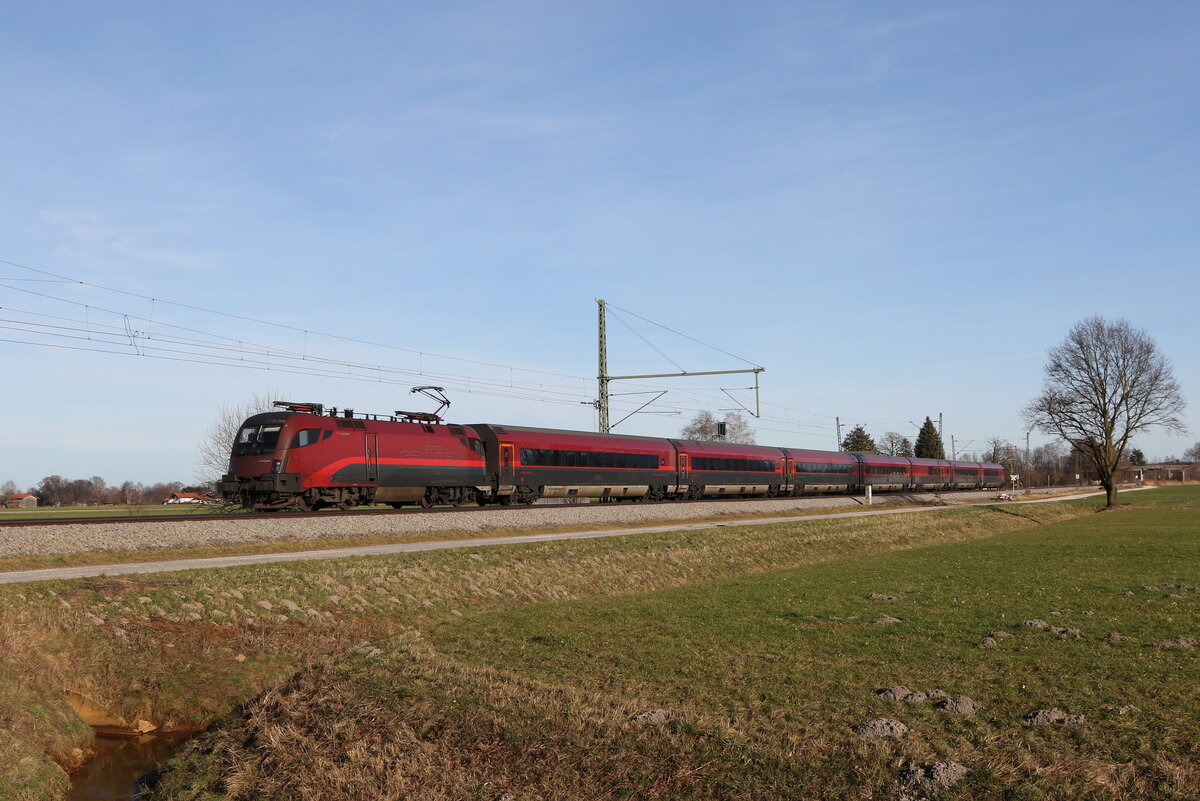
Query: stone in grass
{"points": [[1036, 624], [987, 642], [884, 620], [653, 717], [929, 781], [898, 692], [878, 596], [1176, 642], [1062, 631], [1128, 709], [999, 635], [959, 705], [1112, 636], [881, 727], [1051, 717]]}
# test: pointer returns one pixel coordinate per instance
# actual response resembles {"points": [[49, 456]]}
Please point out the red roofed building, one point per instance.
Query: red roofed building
{"points": [[186, 497], [22, 500]]}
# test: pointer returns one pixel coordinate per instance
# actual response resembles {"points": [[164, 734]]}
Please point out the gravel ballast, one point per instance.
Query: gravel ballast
{"points": [[191, 533]]}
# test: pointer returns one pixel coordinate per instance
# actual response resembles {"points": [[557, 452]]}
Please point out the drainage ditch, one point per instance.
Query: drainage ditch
{"points": [[122, 762]]}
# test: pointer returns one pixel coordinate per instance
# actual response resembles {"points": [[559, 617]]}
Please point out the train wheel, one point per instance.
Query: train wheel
{"points": [[345, 504], [303, 504], [425, 501]]}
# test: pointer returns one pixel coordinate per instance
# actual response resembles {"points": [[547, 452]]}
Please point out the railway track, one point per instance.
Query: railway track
{"points": [[202, 517], [228, 513], [319, 515]]}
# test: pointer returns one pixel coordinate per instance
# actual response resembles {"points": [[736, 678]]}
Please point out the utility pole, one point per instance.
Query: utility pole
{"points": [[602, 403], [953, 452], [839, 432], [940, 427]]}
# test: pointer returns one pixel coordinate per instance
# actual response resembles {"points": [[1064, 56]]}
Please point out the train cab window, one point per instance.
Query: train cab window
{"points": [[256, 439], [259, 435], [307, 437]]}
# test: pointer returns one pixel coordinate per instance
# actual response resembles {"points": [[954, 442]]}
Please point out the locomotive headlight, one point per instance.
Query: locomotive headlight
{"points": [[276, 464]]}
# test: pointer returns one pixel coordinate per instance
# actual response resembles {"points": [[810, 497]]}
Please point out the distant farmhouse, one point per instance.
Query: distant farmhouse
{"points": [[187, 497], [21, 500], [1168, 471]]}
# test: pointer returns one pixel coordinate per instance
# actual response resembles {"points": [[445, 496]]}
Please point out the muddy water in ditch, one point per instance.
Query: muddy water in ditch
{"points": [[119, 764]]}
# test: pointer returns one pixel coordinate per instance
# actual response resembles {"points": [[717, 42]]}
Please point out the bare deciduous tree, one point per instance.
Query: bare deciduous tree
{"points": [[1104, 383], [703, 428], [218, 440], [1192, 454], [894, 444], [1001, 451]]}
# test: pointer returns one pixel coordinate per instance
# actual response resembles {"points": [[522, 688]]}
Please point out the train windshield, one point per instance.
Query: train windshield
{"points": [[257, 439]]}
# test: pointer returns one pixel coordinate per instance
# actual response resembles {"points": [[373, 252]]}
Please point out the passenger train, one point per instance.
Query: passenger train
{"points": [[304, 457]]}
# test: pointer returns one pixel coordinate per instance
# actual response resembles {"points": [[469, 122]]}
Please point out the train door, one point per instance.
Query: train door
{"points": [[683, 479], [507, 473], [858, 474], [371, 454], [789, 474]]}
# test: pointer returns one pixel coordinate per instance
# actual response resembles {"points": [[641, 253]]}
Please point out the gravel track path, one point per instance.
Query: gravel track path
{"points": [[76, 538]]}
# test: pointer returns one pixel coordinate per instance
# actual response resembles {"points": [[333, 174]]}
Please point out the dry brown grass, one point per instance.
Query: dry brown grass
{"points": [[406, 722]]}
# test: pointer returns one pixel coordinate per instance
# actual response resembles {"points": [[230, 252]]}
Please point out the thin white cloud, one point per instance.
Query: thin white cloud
{"points": [[88, 235]]}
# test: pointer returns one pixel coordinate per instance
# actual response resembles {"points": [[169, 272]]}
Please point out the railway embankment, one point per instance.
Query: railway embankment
{"points": [[198, 532]]}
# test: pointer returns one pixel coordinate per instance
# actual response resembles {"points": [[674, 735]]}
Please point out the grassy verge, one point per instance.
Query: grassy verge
{"points": [[188, 648]]}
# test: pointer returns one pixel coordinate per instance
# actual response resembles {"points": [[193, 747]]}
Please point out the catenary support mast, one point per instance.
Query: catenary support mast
{"points": [[602, 402]]}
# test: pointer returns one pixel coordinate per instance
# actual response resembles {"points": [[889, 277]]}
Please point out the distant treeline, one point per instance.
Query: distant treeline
{"points": [[59, 491]]}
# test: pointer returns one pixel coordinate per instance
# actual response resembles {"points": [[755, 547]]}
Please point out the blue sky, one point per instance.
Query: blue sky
{"points": [[894, 208]]}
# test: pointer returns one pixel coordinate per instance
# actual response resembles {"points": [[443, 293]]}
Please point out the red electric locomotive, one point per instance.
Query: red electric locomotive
{"points": [[303, 458]]}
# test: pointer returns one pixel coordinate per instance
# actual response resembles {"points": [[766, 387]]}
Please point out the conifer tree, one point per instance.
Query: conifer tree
{"points": [[929, 442], [858, 441]]}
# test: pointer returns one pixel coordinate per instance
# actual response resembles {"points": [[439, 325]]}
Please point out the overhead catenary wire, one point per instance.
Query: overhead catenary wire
{"points": [[159, 337]]}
